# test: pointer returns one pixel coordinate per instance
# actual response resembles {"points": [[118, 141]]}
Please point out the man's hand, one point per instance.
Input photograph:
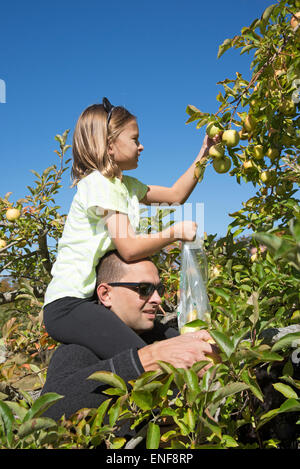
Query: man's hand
{"points": [[182, 351]]}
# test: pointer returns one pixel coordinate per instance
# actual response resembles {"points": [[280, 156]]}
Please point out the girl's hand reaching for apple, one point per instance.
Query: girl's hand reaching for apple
{"points": [[207, 143]]}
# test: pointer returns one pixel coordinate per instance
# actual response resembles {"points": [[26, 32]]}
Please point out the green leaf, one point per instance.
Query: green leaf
{"points": [[224, 47], [167, 367], [8, 419], [228, 390], [153, 436], [41, 405], [192, 380], [267, 13], [109, 378], [290, 405], [286, 390], [17, 409], [166, 386], [212, 426], [117, 443], [222, 293], [286, 341], [114, 411], [246, 48], [146, 378], [143, 399], [253, 385], [33, 425], [101, 411], [225, 344]]}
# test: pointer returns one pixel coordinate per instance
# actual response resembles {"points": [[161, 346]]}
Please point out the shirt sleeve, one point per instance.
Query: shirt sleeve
{"points": [[102, 194], [135, 187]]}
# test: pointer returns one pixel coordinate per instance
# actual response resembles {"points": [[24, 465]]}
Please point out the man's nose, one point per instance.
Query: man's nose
{"points": [[155, 298]]}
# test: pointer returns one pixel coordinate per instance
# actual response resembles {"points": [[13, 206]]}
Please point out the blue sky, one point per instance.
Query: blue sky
{"points": [[154, 58]]}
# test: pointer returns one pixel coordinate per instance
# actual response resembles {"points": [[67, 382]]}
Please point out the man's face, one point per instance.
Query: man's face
{"points": [[136, 311]]}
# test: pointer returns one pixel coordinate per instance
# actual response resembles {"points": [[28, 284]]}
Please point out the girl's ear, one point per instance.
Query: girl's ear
{"points": [[104, 294], [110, 149]]}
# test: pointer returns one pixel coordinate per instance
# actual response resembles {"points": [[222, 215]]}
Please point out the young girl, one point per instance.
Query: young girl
{"points": [[104, 215]]}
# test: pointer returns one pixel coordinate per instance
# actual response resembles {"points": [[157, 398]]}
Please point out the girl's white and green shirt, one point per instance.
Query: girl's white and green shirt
{"points": [[85, 237]]}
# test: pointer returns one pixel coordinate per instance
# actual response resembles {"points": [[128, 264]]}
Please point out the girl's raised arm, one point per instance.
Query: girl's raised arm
{"points": [[183, 187]]}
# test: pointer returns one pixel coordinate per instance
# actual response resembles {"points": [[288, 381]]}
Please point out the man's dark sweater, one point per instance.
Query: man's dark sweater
{"points": [[71, 365]]}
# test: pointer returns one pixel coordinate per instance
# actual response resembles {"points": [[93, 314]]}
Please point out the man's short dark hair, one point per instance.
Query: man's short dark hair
{"points": [[110, 268]]}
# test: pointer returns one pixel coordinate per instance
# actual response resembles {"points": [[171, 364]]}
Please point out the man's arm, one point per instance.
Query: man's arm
{"points": [[69, 368]]}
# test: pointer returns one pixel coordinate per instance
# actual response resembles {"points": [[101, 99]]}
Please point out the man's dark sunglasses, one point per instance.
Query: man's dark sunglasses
{"points": [[143, 288]]}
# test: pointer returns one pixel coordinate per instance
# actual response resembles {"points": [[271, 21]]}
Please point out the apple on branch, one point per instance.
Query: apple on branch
{"points": [[230, 138], [3, 243], [217, 151], [12, 214], [222, 165]]}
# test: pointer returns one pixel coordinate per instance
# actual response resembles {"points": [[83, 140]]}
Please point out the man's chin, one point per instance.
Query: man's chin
{"points": [[145, 327]]}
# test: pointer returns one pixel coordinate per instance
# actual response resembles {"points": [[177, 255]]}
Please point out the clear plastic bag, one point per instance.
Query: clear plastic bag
{"points": [[193, 303]]}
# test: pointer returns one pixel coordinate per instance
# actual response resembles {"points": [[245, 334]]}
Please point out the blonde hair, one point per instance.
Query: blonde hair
{"points": [[91, 138]]}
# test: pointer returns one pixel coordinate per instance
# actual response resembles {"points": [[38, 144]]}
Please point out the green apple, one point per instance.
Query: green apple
{"points": [[273, 153], [281, 189], [231, 138], [212, 130], [217, 151], [222, 165], [250, 123], [287, 107], [3, 243], [213, 357], [12, 214], [258, 152], [267, 177]]}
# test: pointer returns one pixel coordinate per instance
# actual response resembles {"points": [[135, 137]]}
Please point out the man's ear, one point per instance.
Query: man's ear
{"points": [[104, 294]]}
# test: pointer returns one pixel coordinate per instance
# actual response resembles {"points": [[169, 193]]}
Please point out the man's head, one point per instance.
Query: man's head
{"points": [[134, 309]]}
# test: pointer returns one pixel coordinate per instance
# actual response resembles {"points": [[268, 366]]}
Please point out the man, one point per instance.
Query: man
{"points": [[135, 305]]}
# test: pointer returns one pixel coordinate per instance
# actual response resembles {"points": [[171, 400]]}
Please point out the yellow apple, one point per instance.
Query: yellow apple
{"points": [[254, 257], [231, 138], [217, 151], [186, 329], [222, 165], [248, 164], [212, 130], [273, 153], [3, 243], [258, 152], [192, 315], [250, 123], [12, 214]]}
